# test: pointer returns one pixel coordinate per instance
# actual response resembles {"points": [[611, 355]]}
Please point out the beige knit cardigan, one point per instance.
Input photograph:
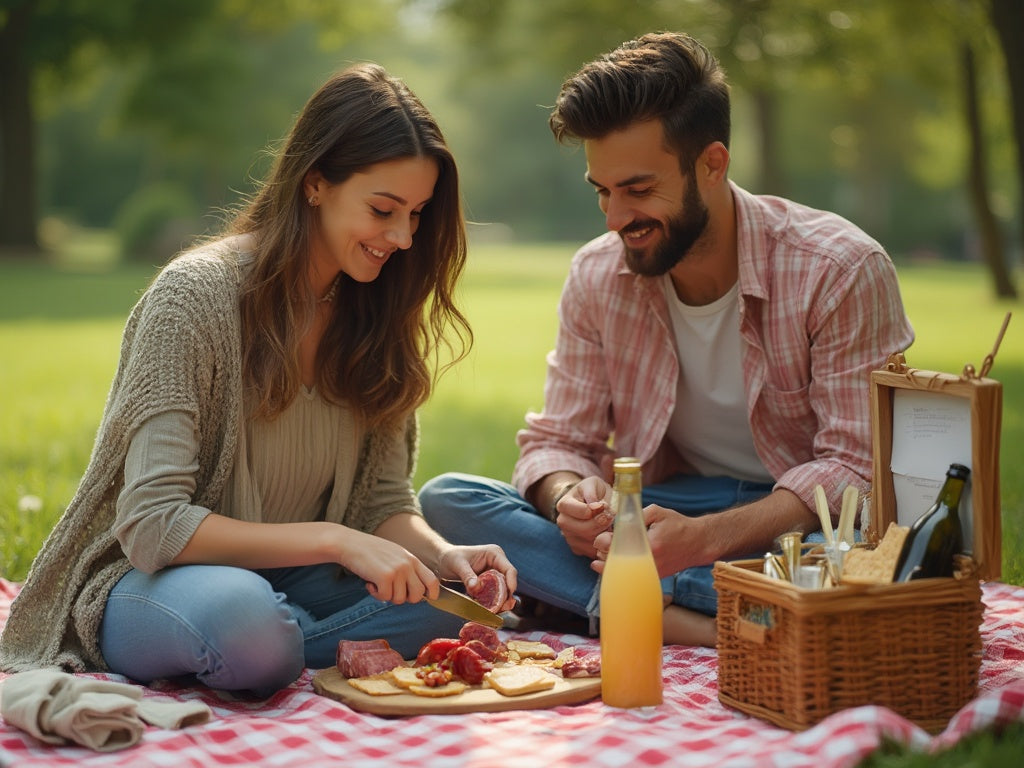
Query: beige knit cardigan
{"points": [[181, 350]]}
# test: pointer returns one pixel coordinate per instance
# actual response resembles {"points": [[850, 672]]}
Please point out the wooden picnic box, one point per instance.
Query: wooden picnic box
{"points": [[794, 656]]}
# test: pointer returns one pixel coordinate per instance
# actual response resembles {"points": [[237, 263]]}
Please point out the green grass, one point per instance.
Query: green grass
{"points": [[510, 296], [985, 749]]}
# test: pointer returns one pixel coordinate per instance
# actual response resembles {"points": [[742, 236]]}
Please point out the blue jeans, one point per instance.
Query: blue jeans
{"points": [[236, 629], [467, 509]]}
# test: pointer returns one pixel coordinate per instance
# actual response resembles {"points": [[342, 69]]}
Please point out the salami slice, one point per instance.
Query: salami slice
{"points": [[583, 665], [485, 652], [467, 665], [360, 661], [347, 648], [437, 650], [490, 590], [473, 631]]}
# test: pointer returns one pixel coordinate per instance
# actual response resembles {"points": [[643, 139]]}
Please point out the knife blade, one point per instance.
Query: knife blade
{"points": [[459, 604]]}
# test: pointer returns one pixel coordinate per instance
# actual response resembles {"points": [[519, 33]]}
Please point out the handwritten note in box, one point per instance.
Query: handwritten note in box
{"points": [[922, 421], [930, 431]]}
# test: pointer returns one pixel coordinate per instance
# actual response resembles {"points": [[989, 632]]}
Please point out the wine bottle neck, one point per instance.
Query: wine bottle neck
{"points": [[951, 491]]}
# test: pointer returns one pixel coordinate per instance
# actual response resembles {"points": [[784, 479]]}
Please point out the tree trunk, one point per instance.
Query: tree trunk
{"points": [[1008, 20], [977, 182], [772, 180], [18, 213]]}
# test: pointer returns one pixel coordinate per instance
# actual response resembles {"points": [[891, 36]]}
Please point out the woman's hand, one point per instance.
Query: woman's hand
{"points": [[465, 562], [391, 572]]}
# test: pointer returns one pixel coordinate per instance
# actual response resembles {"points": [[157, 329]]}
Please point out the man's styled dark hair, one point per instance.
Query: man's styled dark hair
{"points": [[667, 76]]}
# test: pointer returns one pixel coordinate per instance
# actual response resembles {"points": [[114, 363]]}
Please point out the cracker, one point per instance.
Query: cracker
{"points": [[404, 677], [452, 688], [527, 649], [515, 681], [875, 566], [375, 686]]}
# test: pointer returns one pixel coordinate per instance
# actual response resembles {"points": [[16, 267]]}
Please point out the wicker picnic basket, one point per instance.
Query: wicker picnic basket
{"points": [[793, 656]]}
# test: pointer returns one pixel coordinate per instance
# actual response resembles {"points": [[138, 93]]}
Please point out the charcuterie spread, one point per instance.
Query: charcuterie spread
{"points": [[475, 672]]}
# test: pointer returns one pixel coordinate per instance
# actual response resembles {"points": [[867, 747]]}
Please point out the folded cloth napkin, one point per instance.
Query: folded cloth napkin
{"points": [[57, 707]]}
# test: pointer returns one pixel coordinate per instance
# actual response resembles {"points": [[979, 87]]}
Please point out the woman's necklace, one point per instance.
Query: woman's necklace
{"points": [[328, 297]]}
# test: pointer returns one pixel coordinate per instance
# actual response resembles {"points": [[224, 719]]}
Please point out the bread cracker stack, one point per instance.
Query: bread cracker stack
{"points": [[875, 566]]}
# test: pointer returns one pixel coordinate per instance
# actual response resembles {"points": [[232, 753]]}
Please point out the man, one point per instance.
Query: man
{"points": [[723, 338]]}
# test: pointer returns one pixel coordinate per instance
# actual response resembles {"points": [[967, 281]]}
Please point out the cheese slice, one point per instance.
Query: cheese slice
{"points": [[515, 681], [527, 649]]}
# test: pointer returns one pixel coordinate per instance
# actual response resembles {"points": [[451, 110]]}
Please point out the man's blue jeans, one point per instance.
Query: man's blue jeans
{"points": [[236, 629], [467, 509]]}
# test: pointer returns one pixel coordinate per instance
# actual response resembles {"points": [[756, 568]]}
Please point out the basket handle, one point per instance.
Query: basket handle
{"points": [[751, 631]]}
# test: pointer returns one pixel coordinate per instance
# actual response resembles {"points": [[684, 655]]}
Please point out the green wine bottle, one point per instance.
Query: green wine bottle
{"points": [[937, 535]]}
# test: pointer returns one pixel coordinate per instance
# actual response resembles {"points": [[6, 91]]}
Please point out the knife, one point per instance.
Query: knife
{"points": [[457, 603]]}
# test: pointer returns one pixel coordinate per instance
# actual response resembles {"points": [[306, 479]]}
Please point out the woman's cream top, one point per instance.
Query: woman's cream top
{"points": [[286, 470]]}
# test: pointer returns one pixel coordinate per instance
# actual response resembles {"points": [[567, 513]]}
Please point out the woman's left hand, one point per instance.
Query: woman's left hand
{"points": [[465, 562]]}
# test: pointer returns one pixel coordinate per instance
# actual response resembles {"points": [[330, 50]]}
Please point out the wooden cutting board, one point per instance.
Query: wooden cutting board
{"points": [[329, 682]]}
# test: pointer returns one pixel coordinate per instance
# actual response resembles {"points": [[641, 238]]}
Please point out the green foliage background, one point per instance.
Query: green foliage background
{"points": [[864, 99]]}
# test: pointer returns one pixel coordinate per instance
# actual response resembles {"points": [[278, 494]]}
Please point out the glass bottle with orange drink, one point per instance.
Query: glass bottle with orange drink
{"points": [[631, 602]]}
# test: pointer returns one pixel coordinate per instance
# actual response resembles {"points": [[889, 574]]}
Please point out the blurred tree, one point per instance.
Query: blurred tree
{"points": [[1008, 22], [840, 92], [17, 205], [992, 248], [508, 63], [50, 33], [766, 46], [194, 75], [963, 26]]}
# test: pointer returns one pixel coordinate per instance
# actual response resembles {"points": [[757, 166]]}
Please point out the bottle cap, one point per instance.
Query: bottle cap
{"points": [[958, 471], [627, 464], [627, 475]]}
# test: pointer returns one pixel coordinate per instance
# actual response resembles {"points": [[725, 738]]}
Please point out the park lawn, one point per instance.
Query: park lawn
{"points": [[60, 330]]}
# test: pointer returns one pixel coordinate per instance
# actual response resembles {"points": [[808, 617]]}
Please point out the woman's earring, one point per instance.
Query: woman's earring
{"points": [[312, 201]]}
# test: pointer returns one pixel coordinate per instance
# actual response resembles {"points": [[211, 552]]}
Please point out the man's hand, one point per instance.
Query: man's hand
{"points": [[679, 542], [584, 513], [676, 541]]}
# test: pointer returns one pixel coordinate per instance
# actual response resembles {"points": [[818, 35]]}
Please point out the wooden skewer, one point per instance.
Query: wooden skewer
{"points": [[821, 502], [846, 514]]}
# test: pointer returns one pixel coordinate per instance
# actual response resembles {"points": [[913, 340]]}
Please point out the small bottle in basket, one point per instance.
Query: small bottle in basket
{"points": [[937, 535], [631, 602]]}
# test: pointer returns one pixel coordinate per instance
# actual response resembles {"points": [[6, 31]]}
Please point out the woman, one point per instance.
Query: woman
{"points": [[249, 499]]}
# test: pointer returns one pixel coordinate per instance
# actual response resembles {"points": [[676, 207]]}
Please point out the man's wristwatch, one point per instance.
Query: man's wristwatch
{"points": [[560, 491]]}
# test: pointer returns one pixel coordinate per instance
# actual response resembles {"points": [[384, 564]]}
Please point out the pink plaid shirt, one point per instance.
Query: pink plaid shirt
{"points": [[820, 309]]}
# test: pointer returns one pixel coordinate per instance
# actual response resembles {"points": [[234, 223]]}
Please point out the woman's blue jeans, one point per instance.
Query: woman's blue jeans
{"points": [[236, 629], [467, 509]]}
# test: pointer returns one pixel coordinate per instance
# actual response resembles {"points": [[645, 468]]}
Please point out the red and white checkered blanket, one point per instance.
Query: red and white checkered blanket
{"points": [[297, 727]]}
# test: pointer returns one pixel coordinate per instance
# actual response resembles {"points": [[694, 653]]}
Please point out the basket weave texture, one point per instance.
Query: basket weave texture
{"points": [[793, 656]]}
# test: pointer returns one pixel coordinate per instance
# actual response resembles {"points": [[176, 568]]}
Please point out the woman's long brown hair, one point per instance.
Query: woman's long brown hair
{"points": [[381, 353]]}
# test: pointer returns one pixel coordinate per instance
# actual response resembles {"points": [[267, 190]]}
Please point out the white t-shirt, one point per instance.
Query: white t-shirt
{"points": [[710, 427]]}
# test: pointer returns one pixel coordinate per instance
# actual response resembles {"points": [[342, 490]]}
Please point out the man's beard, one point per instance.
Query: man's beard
{"points": [[684, 229]]}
